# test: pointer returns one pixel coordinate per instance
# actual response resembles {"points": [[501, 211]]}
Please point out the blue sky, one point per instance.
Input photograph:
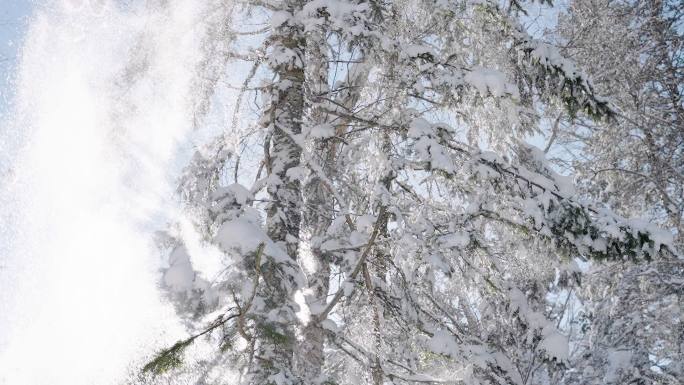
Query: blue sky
{"points": [[13, 18]]}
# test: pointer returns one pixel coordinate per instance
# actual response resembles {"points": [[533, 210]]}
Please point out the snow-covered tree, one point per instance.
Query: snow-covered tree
{"points": [[635, 53], [631, 318], [387, 182]]}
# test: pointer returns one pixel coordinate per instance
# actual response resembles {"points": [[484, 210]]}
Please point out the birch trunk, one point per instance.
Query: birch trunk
{"points": [[317, 214], [320, 206]]}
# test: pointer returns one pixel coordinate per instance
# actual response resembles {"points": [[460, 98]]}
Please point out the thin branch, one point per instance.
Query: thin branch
{"points": [[359, 266]]}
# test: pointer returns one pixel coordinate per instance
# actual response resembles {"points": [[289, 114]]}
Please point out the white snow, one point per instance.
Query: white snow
{"points": [[180, 275], [322, 131], [95, 179], [488, 80]]}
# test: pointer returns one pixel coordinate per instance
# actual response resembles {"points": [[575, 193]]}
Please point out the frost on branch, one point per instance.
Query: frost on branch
{"points": [[396, 198]]}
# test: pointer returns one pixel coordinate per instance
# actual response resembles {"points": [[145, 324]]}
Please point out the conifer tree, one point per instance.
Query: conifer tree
{"points": [[433, 256]]}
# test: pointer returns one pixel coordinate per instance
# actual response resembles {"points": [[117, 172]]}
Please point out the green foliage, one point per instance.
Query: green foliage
{"points": [[572, 89], [171, 358], [168, 359], [572, 224], [270, 333], [575, 92], [577, 98]]}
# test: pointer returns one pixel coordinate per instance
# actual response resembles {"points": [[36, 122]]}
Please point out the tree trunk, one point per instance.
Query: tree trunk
{"points": [[317, 213], [380, 272], [320, 209], [275, 320]]}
